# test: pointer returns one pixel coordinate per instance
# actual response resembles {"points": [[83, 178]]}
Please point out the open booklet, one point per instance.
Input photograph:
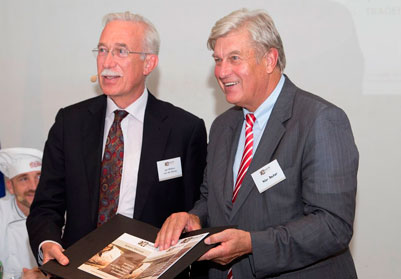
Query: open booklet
{"points": [[124, 248], [131, 257]]}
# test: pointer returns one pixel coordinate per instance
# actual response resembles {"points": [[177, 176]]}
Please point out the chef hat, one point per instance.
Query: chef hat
{"points": [[15, 161]]}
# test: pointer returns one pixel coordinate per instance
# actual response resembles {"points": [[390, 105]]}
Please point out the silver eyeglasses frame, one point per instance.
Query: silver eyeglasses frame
{"points": [[124, 54]]}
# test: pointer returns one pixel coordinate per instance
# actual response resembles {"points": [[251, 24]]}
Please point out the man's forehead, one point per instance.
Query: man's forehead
{"points": [[122, 33], [123, 27], [30, 173], [235, 37], [230, 47]]}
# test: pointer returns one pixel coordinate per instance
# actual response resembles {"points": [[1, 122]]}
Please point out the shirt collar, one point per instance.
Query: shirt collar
{"points": [[136, 109], [262, 113], [17, 209]]}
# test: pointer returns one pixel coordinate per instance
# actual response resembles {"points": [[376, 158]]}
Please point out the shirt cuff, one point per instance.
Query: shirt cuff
{"points": [[40, 252]]}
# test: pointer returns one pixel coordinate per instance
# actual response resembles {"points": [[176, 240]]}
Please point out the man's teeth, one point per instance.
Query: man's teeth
{"points": [[110, 74], [110, 77], [230, 83]]}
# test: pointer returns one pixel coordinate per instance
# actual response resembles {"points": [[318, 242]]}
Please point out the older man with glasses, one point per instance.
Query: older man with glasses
{"points": [[107, 155]]}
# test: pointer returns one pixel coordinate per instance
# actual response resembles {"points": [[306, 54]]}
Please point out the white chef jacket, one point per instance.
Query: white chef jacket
{"points": [[15, 252]]}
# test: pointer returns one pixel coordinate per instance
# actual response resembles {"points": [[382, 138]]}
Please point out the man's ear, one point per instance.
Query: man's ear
{"points": [[271, 58], [9, 185], [151, 61]]}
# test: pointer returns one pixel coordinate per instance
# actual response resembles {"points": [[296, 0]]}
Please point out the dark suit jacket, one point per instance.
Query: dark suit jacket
{"points": [[72, 161], [301, 227]]}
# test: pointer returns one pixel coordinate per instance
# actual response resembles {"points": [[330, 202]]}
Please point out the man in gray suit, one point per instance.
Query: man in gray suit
{"points": [[281, 167]]}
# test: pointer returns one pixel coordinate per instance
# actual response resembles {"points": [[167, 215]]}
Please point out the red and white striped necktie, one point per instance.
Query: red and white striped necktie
{"points": [[245, 162], [247, 155]]}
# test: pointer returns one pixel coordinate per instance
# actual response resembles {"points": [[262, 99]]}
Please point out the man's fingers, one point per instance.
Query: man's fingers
{"points": [[209, 255], [54, 251], [164, 235], [62, 259], [218, 251], [33, 273], [218, 237], [217, 254], [59, 257], [205, 257], [232, 244], [173, 227], [171, 230]]}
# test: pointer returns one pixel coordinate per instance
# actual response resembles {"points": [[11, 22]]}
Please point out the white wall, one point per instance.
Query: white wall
{"points": [[347, 51]]}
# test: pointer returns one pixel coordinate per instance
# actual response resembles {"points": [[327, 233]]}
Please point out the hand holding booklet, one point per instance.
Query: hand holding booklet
{"points": [[123, 248], [132, 257]]}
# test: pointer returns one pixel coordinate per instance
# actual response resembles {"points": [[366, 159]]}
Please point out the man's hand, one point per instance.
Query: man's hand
{"points": [[52, 251], [233, 244], [173, 227], [33, 273]]}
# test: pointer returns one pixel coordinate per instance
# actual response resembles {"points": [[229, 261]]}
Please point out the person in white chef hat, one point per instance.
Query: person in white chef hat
{"points": [[21, 168]]}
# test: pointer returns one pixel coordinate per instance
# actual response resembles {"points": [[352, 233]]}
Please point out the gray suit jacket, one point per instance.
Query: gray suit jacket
{"points": [[301, 227]]}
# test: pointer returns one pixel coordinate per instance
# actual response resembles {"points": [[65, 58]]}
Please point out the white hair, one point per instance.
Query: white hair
{"points": [[260, 26], [151, 43]]}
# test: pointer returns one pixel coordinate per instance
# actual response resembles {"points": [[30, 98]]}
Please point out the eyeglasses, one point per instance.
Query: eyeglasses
{"points": [[120, 52]]}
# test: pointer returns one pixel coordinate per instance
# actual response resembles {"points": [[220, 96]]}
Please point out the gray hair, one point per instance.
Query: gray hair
{"points": [[260, 27], [151, 41]]}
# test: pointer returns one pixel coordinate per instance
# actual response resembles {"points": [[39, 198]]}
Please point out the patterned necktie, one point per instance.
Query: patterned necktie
{"points": [[245, 162], [247, 155], [112, 166]]}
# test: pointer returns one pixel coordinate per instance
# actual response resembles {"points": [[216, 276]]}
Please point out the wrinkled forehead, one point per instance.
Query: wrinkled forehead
{"points": [[119, 32], [236, 41]]}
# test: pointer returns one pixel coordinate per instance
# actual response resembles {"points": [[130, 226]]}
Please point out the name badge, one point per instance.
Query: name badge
{"points": [[169, 169], [268, 176]]}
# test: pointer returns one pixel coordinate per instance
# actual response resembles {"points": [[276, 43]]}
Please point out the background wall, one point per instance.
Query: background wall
{"points": [[347, 51]]}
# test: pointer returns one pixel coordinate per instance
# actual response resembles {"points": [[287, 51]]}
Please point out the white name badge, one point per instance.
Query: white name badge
{"points": [[268, 176], [169, 169]]}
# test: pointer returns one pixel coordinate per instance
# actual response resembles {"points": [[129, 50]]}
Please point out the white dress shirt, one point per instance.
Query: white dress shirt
{"points": [[132, 129], [262, 114], [15, 252]]}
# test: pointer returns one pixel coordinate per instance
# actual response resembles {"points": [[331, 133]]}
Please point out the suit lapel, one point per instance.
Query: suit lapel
{"points": [[231, 138], [92, 143], [271, 137], [154, 140]]}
